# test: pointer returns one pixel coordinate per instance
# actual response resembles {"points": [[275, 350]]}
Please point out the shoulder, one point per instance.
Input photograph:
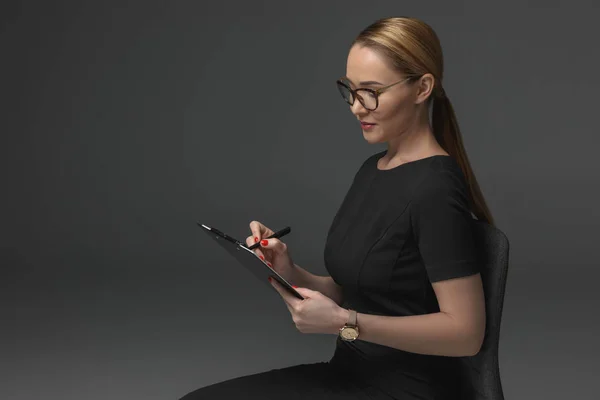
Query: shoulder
{"points": [[368, 164], [373, 158], [442, 181]]}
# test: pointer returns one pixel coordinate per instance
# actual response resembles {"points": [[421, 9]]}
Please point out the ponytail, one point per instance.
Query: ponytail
{"points": [[447, 133], [413, 48]]}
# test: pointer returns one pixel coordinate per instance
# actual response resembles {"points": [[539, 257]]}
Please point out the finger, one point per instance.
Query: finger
{"points": [[257, 251], [274, 244], [257, 230], [307, 293]]}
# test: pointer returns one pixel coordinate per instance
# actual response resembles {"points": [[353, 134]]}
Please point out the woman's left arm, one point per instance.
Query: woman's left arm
{"points": [[457, 330]]}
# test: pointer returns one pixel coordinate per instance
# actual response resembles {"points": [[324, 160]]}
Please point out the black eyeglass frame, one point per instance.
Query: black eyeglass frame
{"points": [[374, 92]]}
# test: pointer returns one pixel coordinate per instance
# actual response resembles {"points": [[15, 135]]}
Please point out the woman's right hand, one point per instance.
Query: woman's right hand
{"points": [[274, 252]]}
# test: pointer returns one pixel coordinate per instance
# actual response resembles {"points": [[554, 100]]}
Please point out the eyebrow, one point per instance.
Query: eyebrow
{"points": [[364, 83]]}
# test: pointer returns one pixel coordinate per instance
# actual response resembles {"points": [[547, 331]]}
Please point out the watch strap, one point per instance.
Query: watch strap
{"points": [[351, 318]]}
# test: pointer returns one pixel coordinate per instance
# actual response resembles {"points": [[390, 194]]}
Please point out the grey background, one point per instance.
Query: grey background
{"points": [[125, 122]]}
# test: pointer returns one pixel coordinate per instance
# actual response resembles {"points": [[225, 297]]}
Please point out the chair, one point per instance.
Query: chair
{"points": [[481, 372]]}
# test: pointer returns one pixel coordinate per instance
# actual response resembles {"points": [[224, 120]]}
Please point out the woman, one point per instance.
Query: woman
{"points": [[405, 295]]}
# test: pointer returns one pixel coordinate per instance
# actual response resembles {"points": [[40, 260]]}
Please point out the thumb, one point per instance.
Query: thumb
{"points": [[306, 292]]}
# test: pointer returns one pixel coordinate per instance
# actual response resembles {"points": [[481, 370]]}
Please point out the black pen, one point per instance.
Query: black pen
{"points": [[276, 235]]}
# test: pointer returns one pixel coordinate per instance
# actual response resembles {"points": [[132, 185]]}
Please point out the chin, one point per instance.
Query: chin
{"points": [[373, 138]]}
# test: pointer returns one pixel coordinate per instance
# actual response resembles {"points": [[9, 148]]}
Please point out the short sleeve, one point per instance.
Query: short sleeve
{"points": [[443, 226]]}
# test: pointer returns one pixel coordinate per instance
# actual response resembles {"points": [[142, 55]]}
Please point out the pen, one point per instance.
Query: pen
{"points": [[276, 235]]}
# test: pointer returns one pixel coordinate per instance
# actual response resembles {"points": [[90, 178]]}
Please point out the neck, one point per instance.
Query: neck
{"points": [[413, 144]]}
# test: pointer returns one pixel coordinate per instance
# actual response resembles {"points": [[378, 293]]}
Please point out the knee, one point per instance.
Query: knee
{"points": [[193, 395]]}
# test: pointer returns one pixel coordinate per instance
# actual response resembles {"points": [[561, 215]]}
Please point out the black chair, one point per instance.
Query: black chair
{"points": [[481, 372]]}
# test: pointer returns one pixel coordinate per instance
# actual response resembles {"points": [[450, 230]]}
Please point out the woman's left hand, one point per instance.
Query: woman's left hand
{"points": [[317, 313]]}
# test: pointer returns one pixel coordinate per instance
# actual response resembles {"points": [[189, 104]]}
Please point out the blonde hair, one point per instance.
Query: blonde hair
{"points": [[414, 49]]}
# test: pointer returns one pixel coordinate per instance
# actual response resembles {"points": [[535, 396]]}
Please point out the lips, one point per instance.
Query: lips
{"points": [[367, 126]]}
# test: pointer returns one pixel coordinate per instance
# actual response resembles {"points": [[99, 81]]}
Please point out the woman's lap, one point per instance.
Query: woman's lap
{"points": [[313, 381]]}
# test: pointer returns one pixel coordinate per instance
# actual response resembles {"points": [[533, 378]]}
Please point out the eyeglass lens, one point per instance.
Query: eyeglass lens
{"points": [[367, 98]]}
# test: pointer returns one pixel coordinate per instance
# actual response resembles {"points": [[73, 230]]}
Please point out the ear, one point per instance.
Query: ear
{"points": [[425, 86]]}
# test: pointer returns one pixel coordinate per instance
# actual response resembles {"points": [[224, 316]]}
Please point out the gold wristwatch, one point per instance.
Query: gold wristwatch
{"points": [[349, 332]]}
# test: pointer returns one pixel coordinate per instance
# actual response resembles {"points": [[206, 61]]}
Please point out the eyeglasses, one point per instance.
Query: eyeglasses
{"points": [[369, 98]]}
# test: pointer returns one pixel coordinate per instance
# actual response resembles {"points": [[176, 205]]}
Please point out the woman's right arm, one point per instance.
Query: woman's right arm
{"points": [[323, 284], [276, 252]]}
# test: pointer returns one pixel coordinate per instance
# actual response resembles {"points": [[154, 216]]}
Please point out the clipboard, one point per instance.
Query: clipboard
{"points": [[247, 258]]}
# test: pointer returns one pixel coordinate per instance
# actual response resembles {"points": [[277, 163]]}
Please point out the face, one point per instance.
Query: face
{"points": [[400, 107]]}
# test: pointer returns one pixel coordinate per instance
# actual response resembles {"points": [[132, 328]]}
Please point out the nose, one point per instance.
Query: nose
{"points": [[358, 109]]}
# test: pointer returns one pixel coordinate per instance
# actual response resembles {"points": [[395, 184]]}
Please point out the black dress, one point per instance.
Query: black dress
{"points": [[396, 232]]}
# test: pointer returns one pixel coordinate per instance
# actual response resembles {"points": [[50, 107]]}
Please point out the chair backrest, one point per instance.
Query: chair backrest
{"points": [[481, 372]]}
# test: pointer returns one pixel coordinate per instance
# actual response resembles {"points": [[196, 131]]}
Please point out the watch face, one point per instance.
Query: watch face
{"points": [[349, 333]]}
